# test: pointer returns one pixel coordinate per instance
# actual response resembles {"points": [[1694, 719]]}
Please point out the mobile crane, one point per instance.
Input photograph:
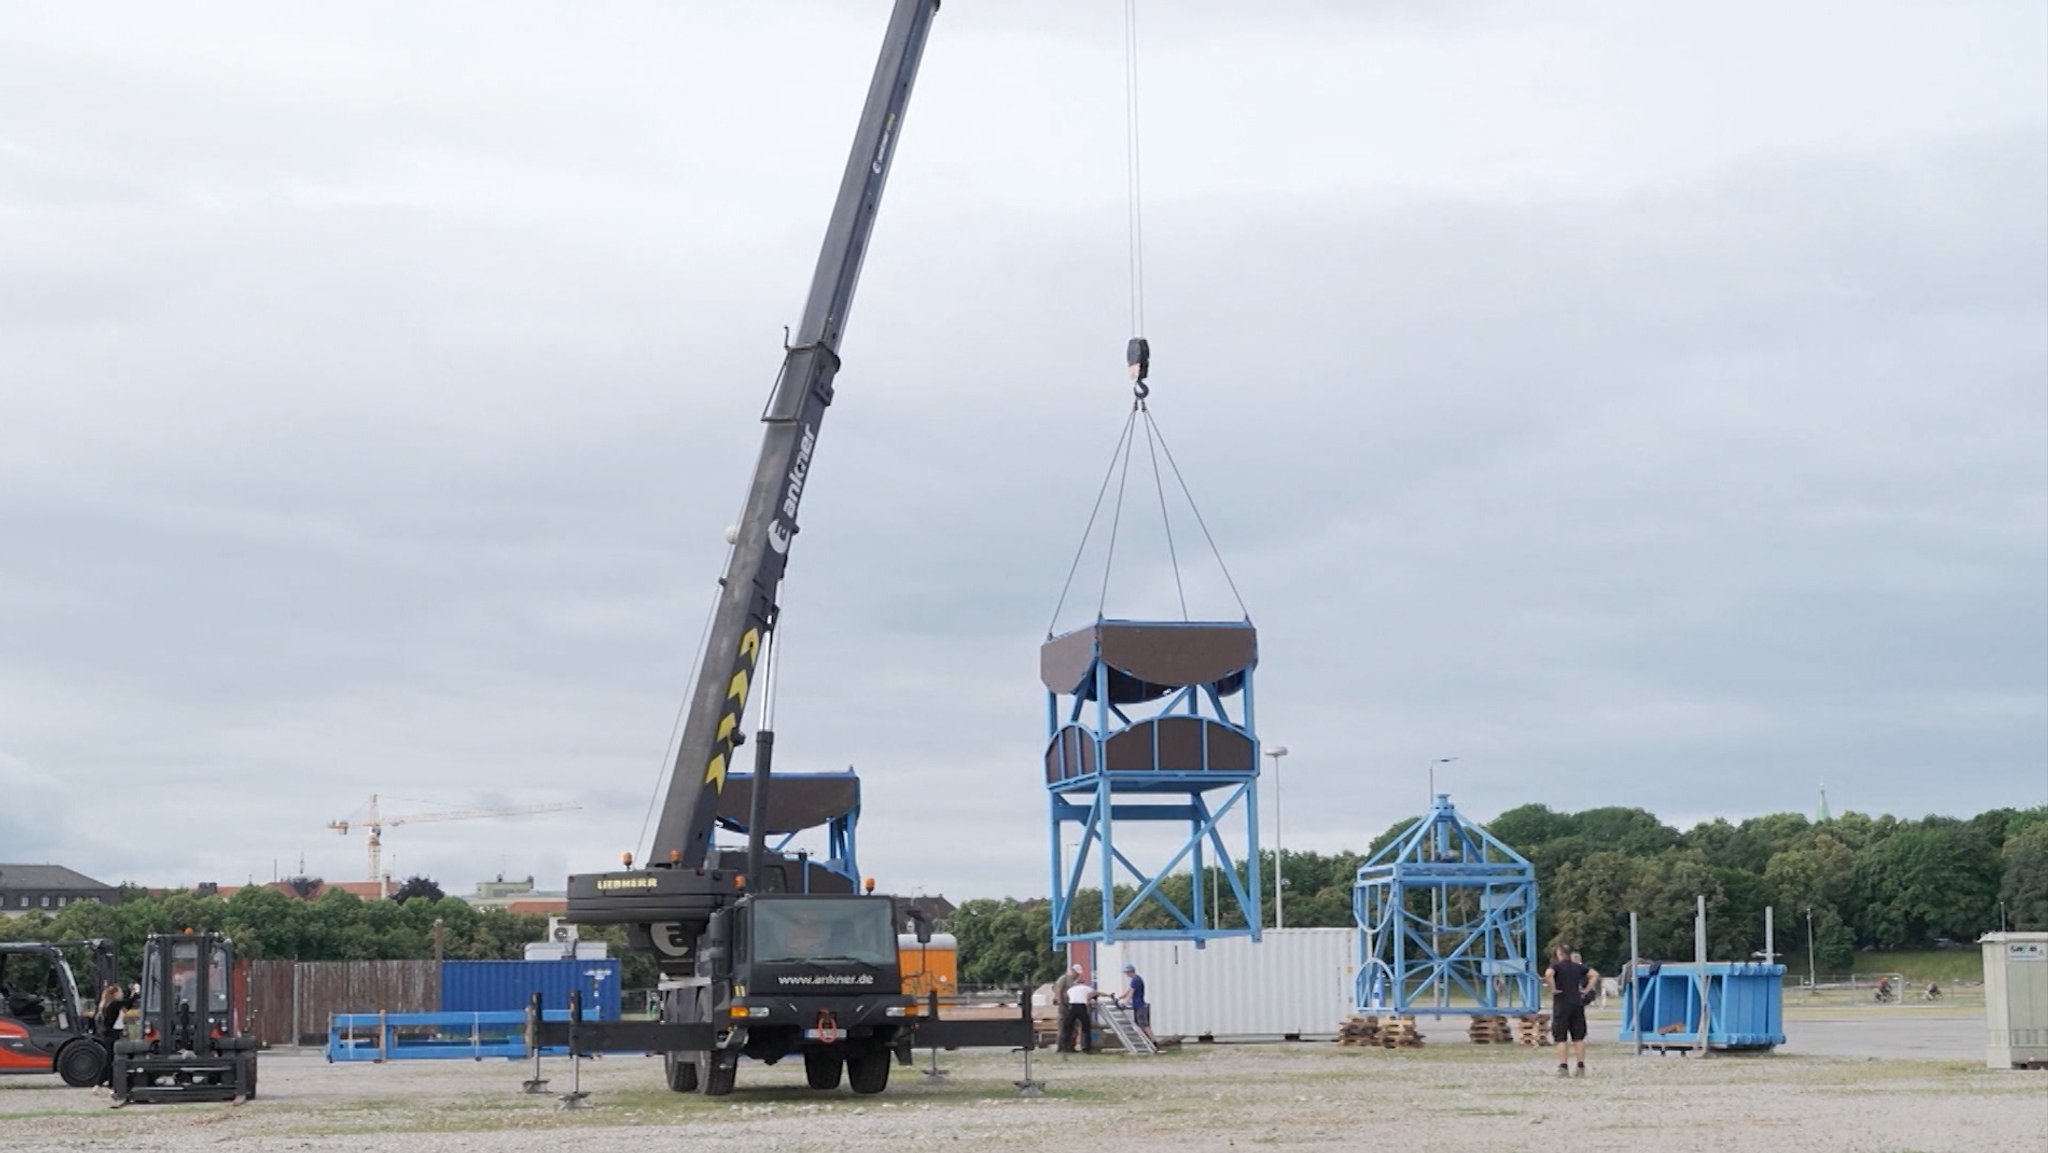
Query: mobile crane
{"points": [[767, 954]]}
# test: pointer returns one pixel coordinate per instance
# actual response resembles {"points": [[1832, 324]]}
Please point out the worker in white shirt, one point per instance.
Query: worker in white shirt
{"points": [[1075, 1032]]}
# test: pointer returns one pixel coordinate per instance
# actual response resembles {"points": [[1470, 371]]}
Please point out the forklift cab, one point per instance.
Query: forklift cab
{"points": [[46, 1020], [191, 1046], [175, 999]]}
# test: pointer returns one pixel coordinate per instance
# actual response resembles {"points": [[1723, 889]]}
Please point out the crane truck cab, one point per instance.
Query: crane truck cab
{"points": [[810, 974], [46, 1022]]}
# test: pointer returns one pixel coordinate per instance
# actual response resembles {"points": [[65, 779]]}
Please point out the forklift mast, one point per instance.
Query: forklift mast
{"points": [[745, 615]]}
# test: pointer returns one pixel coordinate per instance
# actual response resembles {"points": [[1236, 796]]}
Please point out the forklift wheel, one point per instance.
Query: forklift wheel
{"points": [[82, 1063]]}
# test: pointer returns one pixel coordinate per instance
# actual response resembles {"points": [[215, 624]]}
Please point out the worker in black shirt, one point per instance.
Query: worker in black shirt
{"points": [[1570, 985]]}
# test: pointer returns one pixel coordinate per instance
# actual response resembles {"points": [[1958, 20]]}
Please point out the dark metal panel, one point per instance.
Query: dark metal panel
{"points": [[1064, 662], [1149, 659], [1179, 654], [1230, 751], [795, 801]]}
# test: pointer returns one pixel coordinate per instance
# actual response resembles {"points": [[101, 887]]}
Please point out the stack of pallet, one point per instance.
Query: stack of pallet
{"points": [[1359, 1031], [1400, 1033], [1490, 1031], [1533, 1029]]}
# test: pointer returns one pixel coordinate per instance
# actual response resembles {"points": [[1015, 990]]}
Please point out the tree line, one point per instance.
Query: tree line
{"points": [[1868, 883], [267, 923]]}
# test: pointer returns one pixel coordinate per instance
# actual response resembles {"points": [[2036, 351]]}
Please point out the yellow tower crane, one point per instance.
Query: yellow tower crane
{"points": [[376, 822]]}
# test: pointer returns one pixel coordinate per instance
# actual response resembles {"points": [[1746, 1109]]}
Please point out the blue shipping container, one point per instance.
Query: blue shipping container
{"points": [[495, 986]]}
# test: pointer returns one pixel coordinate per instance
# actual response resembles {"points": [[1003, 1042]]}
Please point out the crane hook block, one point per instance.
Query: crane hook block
{"points": [[1138, 355]]}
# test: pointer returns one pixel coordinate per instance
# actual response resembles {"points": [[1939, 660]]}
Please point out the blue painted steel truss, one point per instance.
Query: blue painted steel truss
{"points": [[1129, 762], [1446, 923]]}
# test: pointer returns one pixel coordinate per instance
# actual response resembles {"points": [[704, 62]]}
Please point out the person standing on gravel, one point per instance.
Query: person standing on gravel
{"points": [[1075, 1028], [1134, 996], [1569, 983]]}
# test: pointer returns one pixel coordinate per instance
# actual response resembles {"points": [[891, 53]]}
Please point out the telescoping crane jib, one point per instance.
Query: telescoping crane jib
{"points": [[767, 954]]}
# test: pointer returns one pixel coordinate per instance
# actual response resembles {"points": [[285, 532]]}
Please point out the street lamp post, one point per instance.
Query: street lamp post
{"points": [[1279, 864], [1810, 982], [1432, 777]]}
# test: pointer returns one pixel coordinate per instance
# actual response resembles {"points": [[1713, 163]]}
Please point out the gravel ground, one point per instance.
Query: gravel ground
{"points": [[1449, 1096]]}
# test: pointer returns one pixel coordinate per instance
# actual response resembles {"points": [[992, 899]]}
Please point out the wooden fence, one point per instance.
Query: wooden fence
{"points": [[290, 1001]]}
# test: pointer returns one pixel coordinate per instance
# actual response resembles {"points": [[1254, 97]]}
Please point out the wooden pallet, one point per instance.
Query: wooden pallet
{"points": [[1489, 1031], [1358, 1030], [1533, 1029], [1380, 1032]]}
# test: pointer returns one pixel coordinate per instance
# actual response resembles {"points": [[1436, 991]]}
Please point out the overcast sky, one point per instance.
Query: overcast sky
{"points": [[1643, 404]]}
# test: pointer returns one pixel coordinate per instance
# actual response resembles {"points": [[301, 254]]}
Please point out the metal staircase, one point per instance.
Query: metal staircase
{"points": [[1117, 1016]]}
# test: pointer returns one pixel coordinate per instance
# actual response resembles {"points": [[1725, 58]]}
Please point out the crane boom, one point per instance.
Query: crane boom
{"points": [[745, 615]]}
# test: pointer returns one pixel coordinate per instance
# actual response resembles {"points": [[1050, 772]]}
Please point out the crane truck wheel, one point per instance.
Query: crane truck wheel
{"points": [[823, 1067], [680, 1071], [867, 1070], [82, 1062], [716, 1070]]}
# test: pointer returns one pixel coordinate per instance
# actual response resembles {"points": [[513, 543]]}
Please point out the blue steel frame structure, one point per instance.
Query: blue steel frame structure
{"points": [[1140, 730], [1446, 923]]}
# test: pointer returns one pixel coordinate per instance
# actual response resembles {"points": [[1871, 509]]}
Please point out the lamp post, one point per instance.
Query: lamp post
{"points": [[1279, 864], [1810, 982], [1432, 777]]}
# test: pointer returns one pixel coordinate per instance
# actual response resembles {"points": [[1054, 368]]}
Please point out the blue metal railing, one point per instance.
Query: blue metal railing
{"points": [[432, 1036]]}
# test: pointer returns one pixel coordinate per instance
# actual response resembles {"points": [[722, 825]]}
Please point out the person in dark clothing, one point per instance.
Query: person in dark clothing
{"points": [[1134, 994], [1570, 985], [114, 1004]]}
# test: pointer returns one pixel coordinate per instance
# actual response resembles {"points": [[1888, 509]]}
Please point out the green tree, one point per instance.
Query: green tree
{"points": [[417, 887], [2023, 886], [1937, 878]]}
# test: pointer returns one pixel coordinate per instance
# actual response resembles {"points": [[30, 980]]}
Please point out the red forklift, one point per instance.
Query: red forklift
{"points": [[192, 1045], [46, 1021]]}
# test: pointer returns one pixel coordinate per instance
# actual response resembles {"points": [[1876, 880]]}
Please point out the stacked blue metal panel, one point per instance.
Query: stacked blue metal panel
{"points": [[1744, 1005], [494, 986]]}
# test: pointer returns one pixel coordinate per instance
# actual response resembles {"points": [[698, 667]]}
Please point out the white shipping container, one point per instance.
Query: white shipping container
{"points": [[1294, 982], [2016, 999]]}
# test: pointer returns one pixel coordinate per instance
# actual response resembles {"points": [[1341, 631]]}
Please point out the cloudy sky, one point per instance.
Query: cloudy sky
{"points": [[1644, 405]]}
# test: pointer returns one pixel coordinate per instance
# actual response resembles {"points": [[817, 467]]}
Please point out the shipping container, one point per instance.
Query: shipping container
{"points": [[2016, 999], [492, 986], [1295, 983]]}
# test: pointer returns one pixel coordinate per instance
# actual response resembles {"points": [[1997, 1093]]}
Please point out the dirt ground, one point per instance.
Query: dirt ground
{"points": [[1448, 1096]]}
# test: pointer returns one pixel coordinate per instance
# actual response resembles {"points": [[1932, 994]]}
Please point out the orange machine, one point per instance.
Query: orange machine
{"points": [[929, 968]]}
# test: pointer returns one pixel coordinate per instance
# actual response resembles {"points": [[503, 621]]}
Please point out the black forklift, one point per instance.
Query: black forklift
{"points": [[46, 1022], [191, 1047]]}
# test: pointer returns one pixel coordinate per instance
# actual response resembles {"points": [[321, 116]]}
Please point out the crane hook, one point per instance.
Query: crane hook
{"points": [[1138, 358]]}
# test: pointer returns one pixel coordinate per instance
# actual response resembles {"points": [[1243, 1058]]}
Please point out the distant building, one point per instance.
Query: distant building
{"points": [[518, 897], [49, 888], [937, 909], [304, 888]]}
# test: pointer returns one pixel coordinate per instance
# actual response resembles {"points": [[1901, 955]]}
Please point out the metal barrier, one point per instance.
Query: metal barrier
{"points": [[433, 1036]]}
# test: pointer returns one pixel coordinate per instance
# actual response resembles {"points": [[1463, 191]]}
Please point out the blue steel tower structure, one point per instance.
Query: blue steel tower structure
{"points": [[1150, 727], [1446, 923]]}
